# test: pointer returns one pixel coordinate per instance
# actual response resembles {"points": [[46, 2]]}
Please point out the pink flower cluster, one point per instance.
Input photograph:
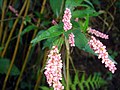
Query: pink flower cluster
{"points": [[97, 33], [71, 39], [67, 25], [100, 49], [53, 69], [66, 19]]}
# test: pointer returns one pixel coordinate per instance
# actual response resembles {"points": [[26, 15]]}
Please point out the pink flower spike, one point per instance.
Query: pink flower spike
{"points": [[53, 69], [97, 33], [71, 40], [100, 49], [66, 19]]}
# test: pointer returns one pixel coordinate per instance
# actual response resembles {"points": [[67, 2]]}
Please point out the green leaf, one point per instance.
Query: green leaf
{"points": [[88, 49], [84, 13], [82, 42], [73, 3], [55, 41], [75, 24], [27, 19], [81, 86], [88, 2], [51, 32], [86, 24], [49, 42], [90, 82], [94, 79], [87, 85], [28, 29], [76, 79], [56, 6], [80, 39], [73, 86], [83, 78], [4, 65], [58, 42]]}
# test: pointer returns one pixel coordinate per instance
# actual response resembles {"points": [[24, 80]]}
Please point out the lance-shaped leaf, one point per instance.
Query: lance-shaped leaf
{"points": [[51, 32], [56, 6], [84, 13]]}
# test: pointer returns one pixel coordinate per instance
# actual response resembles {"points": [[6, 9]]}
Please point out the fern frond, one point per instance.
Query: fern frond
{"points": [[93, 82]]}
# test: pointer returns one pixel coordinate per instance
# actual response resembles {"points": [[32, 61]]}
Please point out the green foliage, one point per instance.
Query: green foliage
{"points": [[56, 6], [4, 65], [28, 29], [93, 82], [86, 24], [80, 39], [73, 3], [32, 59], [51, 32], [27, 19], [55, 41], [83, 13]]}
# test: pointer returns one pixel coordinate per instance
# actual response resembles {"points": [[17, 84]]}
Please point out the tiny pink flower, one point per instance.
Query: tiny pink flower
{"points": [[71, 39], [100, 49], [97, 33], [53, 69], [76, 19], [13, 10], [54, 22]]}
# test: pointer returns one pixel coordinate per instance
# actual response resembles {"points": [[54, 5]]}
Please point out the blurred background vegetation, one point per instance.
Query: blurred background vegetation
{"points": [[21, 64]]}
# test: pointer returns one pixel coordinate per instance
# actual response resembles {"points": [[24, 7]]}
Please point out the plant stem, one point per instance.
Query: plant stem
{"points": [[67, 63], [29, 49], [73, 65], [5, 34], [3, 15], [6, 27], [13, 28], [15, 51]]}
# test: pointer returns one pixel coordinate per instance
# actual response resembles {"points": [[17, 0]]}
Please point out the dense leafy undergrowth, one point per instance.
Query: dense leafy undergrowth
{"points": [[34, 32]]}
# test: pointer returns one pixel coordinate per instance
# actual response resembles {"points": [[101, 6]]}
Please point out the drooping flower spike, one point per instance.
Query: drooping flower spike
{"points": [[100, 49], [97, 33], [53, 69]]}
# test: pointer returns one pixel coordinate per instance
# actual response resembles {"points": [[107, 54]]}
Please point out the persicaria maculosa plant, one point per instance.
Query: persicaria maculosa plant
{"points": [[71, 33]]}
